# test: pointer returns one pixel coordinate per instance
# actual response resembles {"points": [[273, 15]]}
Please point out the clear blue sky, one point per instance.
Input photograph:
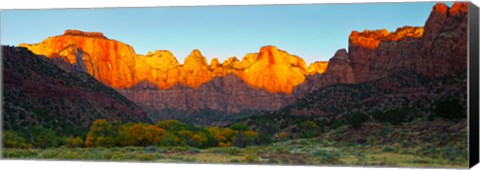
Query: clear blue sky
{"points": [[313, 32]]}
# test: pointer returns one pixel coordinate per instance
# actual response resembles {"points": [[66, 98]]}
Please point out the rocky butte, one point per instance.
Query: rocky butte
{"points": [[267, 80]]}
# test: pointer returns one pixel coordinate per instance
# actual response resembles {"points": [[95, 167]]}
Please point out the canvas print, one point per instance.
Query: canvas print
{"points": [[367, 84]]}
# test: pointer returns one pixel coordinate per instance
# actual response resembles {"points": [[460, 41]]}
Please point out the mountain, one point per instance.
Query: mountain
{"points": [[412, 71], [37, 92], [160, 84], [268, 80], [117, 65], [435, 50], [411, 94]]}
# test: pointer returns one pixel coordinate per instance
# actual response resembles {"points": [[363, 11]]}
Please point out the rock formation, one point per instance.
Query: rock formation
{"points": [[117, 65], [435, 50]]}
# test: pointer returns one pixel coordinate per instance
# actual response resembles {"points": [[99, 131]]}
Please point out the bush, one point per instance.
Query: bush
{"points": [[11, 139], [43, 138], [152, 149], [245, 138], [239, 127], [250, 158], [450, 109], [105, 141], [146, 157], [232, 151], [309, 129], [389, 149], [395, 116], [74, 142], [356, 119], [327, 157]]}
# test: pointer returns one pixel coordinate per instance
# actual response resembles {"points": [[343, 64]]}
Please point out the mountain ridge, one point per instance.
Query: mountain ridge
{"points": [[434, 50]]}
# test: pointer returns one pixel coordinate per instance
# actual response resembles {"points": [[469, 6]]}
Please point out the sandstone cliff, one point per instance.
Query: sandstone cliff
{"points": [[435, 50], [117, 65]]}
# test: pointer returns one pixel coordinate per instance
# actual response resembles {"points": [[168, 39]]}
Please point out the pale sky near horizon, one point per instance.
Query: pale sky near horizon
{"points": [[313, 32]]}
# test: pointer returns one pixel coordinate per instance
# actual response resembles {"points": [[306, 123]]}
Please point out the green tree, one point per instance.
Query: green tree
{"points": [[450, 109], [12, 140], [100, 134], [43, 137], [396, 116], [239, 127], [356, 119], [74, 142], [308, 129], [171, 125]]}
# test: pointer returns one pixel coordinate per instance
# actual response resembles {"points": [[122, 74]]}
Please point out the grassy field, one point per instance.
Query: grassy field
{"points": [[409, 145]]}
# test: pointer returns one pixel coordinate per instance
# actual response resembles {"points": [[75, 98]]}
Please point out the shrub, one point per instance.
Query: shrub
{"points": [[327, 157], [356, 119], [245, 138], [450, 109], [105, 141], [151, 149], [389, 149], [43, 138], [309, 129], [146, 157], [11, 139], [250, 158], [396, 116], [232, 151], [239, 127], [379, 116], [74, 142]]}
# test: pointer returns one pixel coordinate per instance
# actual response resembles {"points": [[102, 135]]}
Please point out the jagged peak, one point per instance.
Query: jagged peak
{"points": [[269, 53], [341, 54], [230, 60], [317, 67], [214, 62], [85, 34], [458, 8], [196, 58], [440, 8]]}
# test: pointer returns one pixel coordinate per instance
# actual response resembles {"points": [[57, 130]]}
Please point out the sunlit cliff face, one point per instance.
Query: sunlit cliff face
{"points": [[116, 64], [371, 39]]}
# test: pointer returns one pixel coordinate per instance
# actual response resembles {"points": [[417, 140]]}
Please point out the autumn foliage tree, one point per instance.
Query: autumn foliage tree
{"points": [[100, 134], [224, 136], [163, 133]]}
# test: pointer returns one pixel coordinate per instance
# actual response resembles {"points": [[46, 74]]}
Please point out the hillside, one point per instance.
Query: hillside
{"points": [[36, 92], [410, 94]]}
